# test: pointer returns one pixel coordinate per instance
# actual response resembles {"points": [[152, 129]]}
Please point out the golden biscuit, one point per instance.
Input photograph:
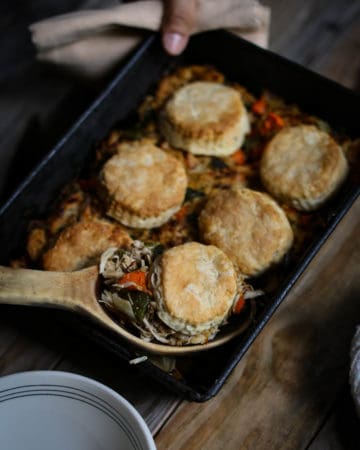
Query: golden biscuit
{"points": [[145, 185], [248, 226], [194, 286], [303, 166], [81, 245], [205, 118]]}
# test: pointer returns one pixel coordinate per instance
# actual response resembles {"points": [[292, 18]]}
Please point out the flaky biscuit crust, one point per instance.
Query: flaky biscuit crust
{"points": [[196, 287], [205, 118], [145, 184], [82, 244], [248, 226], [303, 166]]}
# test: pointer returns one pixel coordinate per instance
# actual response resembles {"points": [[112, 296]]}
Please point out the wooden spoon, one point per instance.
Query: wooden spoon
{"points": [[78, 292]]}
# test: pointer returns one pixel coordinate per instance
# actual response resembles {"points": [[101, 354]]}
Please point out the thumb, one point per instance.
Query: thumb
{"points": [[178, 23]]}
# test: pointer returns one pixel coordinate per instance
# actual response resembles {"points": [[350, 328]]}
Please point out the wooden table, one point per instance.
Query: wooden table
{"points": [[291, 389]]}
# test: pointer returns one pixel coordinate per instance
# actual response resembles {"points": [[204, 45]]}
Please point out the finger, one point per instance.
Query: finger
{"points": [[178, 23]]}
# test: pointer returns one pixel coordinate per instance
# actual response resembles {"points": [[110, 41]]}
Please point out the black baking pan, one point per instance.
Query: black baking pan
{"points": [[240, 61]]}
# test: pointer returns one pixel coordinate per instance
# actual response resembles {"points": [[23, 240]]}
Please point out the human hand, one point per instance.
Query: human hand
{"points": [[179, 21]]}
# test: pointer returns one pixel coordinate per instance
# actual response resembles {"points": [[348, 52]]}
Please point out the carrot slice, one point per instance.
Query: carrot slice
{"points": [[239, 305], [181, 214], [277, 120], [259, 107], [239, 157], [138, 277], [272, 122]]}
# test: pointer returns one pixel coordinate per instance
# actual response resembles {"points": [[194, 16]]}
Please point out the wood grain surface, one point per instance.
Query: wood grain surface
{"points": [[291, 390]]}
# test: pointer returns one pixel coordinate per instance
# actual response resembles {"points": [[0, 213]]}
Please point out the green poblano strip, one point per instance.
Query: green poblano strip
{"points": [[140, 302]]}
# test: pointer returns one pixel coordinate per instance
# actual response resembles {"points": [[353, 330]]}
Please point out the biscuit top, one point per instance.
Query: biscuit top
{"points": [[248, 226], [204, 108], [302, 162], [82, 244], [197, 285], [144, 180]]}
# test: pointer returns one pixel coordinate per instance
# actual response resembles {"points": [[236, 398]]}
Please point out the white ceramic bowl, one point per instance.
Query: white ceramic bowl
{"points": [[44, 410]]}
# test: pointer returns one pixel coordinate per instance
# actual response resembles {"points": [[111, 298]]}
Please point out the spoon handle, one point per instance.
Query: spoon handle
{"points": [[73, 291], [41, 288]]}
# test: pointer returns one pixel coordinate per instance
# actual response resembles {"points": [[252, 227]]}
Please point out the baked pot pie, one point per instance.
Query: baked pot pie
{"points": [[247, 226]]}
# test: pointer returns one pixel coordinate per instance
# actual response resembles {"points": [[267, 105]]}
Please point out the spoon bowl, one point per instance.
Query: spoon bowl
{"points": [[79, 292]]}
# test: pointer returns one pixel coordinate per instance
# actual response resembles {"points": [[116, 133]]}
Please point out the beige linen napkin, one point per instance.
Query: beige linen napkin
{"points": [[92, 42]]}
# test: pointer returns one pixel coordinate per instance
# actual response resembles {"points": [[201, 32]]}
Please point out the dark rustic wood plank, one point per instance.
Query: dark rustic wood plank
{"points": [[27, 345], [342, 64], [341, 428], [306, 31]]}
